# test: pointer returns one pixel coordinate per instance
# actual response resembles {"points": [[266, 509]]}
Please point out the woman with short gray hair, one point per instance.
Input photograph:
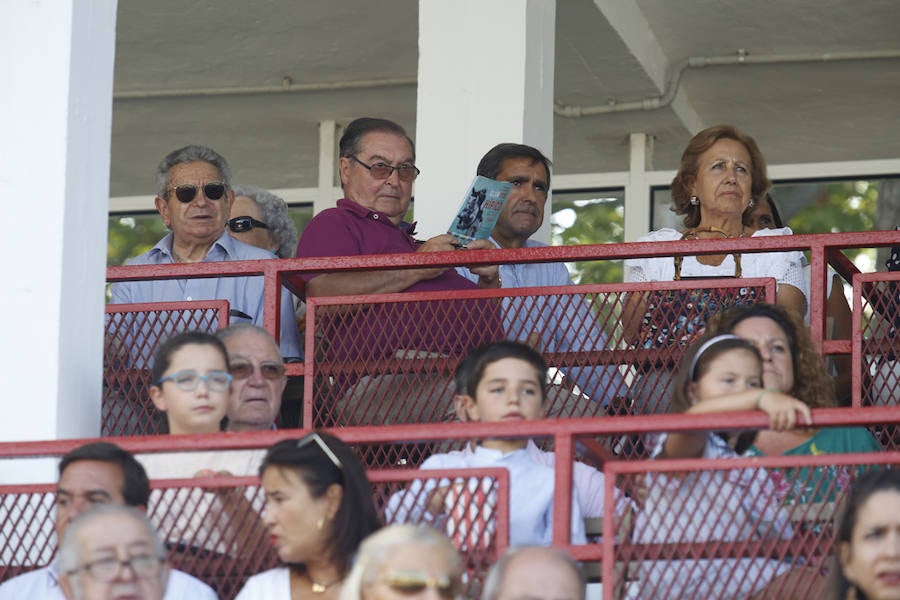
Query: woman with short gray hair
{"points": [[260, 218]]}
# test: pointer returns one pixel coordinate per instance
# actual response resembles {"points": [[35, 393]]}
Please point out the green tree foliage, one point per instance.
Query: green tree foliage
{"points": [[132, 235], [843, 206], [838, 207], [595, 221]]}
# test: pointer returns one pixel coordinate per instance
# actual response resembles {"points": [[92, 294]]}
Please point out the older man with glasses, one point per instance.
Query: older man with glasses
{"points": [[377, 168], [258, 377], [90, 476], [112, 552], [194, 199]]}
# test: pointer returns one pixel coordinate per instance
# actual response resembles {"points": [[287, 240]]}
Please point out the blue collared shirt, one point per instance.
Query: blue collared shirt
{"points": [[244, 294], [572, 329]]}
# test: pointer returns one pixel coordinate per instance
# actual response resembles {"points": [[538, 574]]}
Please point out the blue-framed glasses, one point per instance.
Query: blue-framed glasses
{"points": [[188, 380]]}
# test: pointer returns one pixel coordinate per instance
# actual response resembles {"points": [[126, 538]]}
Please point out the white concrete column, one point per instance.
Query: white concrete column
{"points": [[637, 190], [485, 76], [56, 117], [327, 153]]}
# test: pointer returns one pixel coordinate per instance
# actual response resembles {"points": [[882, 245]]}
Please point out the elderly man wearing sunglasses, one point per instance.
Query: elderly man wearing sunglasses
{"points": [[194, 199]]}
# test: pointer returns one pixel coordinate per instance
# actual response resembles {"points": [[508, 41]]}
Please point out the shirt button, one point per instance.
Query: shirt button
{"points": [[375, 217]]}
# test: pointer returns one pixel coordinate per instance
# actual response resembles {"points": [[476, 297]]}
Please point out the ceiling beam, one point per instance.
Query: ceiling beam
{"points": [[628, 21]]}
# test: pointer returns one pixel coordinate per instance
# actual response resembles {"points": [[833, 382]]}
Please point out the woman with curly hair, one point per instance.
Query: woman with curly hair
{"points": [[792, 366]]}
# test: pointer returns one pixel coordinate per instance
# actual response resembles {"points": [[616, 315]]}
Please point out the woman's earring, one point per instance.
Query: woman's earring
{"points": [[320, 523], [751, 204], [695, 201]]}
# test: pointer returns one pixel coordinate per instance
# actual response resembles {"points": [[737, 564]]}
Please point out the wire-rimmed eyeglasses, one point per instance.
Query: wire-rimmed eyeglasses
{"points": [[380, 170], [106, 569]]}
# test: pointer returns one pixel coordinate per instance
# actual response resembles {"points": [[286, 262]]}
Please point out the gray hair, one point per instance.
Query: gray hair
{"points": [[274, 212], [189, 154], [493, 583], [377, 547], [69, 550], [244, 327]]}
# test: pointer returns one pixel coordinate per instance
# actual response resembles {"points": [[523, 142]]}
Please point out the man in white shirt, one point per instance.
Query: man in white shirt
{"points": [[95, 474], [112, 552]]}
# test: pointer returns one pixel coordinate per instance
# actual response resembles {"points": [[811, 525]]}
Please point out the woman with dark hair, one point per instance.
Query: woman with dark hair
{"points": [[722, 176], [765, 215], [792, 366], [319, 509], [867, 541], [191, 383]]}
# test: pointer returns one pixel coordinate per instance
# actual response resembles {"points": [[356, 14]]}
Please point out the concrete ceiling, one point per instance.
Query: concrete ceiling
{"points": [[175, 58]]}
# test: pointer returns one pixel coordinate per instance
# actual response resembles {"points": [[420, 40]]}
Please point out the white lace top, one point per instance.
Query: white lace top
{"points": [[785, 267]]}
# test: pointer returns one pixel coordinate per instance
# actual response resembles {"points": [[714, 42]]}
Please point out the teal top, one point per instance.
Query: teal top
{"points": [[821, 484]]}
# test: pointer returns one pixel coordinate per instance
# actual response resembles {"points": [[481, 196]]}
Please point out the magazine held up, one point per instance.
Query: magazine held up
{"points": [[480, 209]]}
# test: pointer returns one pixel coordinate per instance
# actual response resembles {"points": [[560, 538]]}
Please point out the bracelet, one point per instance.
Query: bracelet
{"points": [[761, 394]]}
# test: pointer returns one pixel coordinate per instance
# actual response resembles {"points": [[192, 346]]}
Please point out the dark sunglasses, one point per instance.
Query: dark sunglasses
{"points": [[242, 224], [214, 190], [410, 583], [269, 370]]}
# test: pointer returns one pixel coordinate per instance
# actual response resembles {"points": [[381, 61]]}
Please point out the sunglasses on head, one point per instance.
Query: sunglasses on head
{"points": [[410, 583], [214, 190], [313, 438], [242, 224]]}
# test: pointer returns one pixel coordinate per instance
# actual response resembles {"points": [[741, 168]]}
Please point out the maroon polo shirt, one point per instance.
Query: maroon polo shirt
{"points": [[351, 341]]}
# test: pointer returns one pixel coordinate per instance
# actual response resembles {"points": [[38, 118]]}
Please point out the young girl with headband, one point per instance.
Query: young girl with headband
{"points": [[715, 506], [724, 374]]}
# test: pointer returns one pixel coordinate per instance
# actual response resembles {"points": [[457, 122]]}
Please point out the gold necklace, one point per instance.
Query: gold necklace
{"points": [[694, 234], [319, 588]]}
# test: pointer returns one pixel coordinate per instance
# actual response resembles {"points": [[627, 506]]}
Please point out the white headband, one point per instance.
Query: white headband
{"points": [[706, 346]]}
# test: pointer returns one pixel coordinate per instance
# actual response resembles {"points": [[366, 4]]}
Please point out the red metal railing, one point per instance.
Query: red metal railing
{"points": [[565, 434], [872, 349], [345, 337], [133, 333]]}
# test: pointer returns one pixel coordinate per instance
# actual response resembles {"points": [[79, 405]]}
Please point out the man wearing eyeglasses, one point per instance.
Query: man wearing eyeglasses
{"points": [[194, 200], [258, 378], [92, 475], [377, 168], [112, 552]]}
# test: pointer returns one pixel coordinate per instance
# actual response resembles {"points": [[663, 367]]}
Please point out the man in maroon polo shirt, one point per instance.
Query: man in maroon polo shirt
{"points": [[377, 166]]}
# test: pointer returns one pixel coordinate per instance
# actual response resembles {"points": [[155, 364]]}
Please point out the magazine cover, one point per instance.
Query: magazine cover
{"points": [[480, 209]]}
